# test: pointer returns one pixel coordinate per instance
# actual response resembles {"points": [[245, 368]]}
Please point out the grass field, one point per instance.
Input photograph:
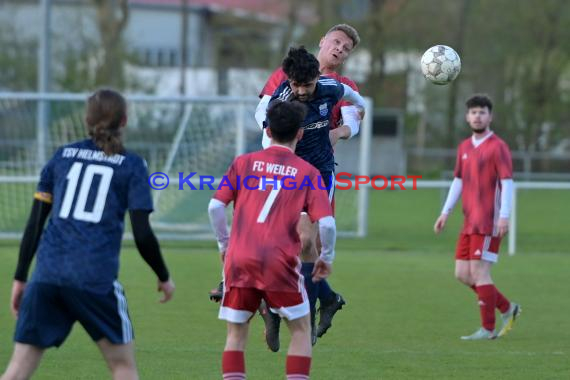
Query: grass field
{"points": [[404, 315]]}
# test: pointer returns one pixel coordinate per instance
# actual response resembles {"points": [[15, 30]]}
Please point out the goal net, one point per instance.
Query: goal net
{"points": [[175, 135]]}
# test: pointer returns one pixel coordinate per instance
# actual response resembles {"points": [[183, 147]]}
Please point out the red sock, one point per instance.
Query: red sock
{"points": [[298, 367], [503, 303], [487, 301], [233, 365]]}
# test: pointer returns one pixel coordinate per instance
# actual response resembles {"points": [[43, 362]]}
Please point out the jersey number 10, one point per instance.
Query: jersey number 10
{"points": [[79, 211]]}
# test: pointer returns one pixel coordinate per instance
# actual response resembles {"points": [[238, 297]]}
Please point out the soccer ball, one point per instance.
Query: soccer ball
{"points": [[440, 64]]}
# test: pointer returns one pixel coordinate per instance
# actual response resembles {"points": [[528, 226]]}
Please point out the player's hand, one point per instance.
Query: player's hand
{"points": [[167, 287], [223, 256], [503, 226], [321, 270], [361, 112], [16, 298], [342, 132], [440, 223]]}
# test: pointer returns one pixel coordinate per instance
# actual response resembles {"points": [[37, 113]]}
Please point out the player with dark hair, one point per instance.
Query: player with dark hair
{"points": [[86, 187], [261, 256], [320, 94], [334, 47], [484, 180]]}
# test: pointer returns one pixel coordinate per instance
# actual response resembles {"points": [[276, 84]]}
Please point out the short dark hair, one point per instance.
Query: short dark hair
{"points": [[479, 100], [284, 119], [300, 66]]}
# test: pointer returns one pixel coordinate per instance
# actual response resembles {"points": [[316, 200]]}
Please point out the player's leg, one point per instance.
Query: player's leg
{"points": [[330, 301], [237, 308], [42, 323], [25, 360], [120, 359], [480, 265], [308, 235], [489, 247], [105, 317], [298, 364], [293, 306]]}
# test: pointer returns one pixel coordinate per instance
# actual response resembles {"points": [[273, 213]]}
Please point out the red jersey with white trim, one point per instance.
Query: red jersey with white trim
{"points": [[481, 170], [278, 77], [264, 245]]}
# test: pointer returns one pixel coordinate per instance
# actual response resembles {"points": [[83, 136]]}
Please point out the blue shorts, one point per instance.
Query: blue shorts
{"points": [[48, 312]]}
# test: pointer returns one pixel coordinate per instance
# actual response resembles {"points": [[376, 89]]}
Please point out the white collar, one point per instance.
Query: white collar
{"points": [[477, 142]]}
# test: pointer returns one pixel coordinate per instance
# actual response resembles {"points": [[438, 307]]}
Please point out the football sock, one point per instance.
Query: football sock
{"points": [[487, 301], [298, 367], [325, 292], [233, 365], [311, 287], [503, 303]]}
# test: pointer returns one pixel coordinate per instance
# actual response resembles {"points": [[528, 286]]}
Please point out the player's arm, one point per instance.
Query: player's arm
{"points": [[149, 249], [219, 223], [351, 116], [323, 265], [452, 198], [504, 164], [32, 234], [261, 110], [355, 98]]}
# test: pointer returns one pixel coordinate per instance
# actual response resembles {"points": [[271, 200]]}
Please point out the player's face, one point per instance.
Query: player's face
{"points": [[479, 119], [335, 47], [303, 91]]}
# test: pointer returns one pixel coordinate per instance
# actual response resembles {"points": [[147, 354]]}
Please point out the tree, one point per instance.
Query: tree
{"points": [[112, 18]]}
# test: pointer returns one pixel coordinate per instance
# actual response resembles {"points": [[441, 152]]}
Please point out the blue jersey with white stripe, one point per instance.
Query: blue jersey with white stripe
{"points": [[91, 193], [315, 146]]}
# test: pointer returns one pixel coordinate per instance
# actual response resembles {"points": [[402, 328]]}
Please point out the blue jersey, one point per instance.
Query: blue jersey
{"points": [[91, 192], [315, 146]]}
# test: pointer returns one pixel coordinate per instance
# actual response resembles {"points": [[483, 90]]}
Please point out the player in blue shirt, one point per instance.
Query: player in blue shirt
{"points": [[320, 94], [87, 187]]}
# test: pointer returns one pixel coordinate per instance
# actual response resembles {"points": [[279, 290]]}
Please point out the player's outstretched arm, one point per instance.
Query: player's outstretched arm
{"points": [[32, 234], [149, 249], [452, 198], [323, 265]]}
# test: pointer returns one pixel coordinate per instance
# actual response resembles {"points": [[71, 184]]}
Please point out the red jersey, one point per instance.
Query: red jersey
{"points": [[278, 77], [263, 250], [481, 170]]}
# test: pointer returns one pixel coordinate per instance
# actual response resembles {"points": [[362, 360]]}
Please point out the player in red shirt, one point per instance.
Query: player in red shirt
{"points": [[483, 178], [269, 189], [334, 49]]}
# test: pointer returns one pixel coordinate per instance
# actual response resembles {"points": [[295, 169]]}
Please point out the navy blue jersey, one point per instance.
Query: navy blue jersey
{"points": [[91, 192], [315, 146]]}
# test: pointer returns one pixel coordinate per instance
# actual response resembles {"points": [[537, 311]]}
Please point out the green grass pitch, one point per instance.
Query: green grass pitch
{"points": [[404, 316]]}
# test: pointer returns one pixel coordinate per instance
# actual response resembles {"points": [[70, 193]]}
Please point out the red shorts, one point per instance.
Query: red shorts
{"points": [[240, 304], [478, 247]]}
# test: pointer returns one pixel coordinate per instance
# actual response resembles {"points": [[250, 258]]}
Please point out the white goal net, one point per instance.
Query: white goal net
{"points": [[175, 135]]}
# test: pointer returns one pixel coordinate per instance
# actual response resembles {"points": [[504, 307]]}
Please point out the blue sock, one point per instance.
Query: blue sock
{"points": [[325, 292], [311, 287]]}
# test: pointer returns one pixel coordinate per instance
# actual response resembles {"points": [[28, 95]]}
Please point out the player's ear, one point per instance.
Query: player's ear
{"points": [[123, 121], [321, 42], [268, 131], [300, 134]]}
